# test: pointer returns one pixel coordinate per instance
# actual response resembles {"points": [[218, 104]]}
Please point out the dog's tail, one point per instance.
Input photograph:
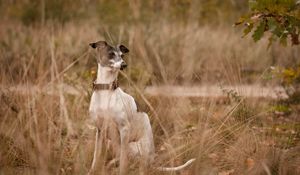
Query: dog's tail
{"points": [[177, 168]]}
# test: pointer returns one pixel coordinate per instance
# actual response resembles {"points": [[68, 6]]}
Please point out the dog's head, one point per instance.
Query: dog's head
{"points": [[109, 56]]}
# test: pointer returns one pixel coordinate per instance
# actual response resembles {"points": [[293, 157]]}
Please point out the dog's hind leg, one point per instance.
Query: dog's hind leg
{"points": [[124, 134], [96, 149]]}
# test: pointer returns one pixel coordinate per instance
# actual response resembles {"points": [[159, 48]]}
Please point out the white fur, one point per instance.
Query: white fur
{"points": [[105, 75]]}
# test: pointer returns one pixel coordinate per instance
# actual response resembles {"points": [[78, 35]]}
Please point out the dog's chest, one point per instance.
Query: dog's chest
{"points": [[111, 104], [108, 101]]}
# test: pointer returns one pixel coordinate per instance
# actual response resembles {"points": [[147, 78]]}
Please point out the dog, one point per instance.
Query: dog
{"points": [[114, 111]]}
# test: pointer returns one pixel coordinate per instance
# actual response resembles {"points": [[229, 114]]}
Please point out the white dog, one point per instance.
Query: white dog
{"points": [[115, 111]]}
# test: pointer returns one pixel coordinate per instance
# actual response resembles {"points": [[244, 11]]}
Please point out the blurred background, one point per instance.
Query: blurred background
{"points": [[174, 42], [47, 70]]}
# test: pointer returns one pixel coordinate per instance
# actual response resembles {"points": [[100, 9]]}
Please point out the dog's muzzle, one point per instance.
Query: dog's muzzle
{"points": [[123, 66]]}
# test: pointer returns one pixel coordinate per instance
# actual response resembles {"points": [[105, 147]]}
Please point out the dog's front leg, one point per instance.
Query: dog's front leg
{"points": [[97, 140], [124, 135]]}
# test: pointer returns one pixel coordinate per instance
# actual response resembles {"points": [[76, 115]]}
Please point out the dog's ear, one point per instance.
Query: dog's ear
{"points": [[123, 49], [100, 44], [93, 45]]}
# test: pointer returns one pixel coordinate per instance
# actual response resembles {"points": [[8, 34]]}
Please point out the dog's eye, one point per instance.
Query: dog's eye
{"points": [[111, 55], [122, 56]]}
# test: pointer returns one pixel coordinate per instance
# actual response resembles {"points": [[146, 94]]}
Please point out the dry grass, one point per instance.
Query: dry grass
{"points": [[46, 133]]}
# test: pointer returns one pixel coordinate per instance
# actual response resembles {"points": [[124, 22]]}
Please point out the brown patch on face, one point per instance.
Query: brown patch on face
{"points": [[123, 49], [103, 52]]}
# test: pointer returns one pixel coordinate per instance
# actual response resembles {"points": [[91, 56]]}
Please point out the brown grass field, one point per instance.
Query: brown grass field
{"points": [[47, 71]]}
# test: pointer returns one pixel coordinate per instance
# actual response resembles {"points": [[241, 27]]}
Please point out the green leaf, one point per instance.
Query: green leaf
{"points": [[272, 24], [294, 21], [275, 27], [248, 29], [259, 32], [283, 39], [240, 21]]}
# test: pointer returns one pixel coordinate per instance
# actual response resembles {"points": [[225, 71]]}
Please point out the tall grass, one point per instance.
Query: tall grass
{"points": [[46, 85]]}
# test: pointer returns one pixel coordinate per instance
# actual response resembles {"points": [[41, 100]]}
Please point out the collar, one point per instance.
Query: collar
{"points": [[112, 86]]}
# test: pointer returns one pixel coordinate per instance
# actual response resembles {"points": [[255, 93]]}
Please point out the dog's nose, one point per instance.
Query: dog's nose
{"points": [[123, 65]]}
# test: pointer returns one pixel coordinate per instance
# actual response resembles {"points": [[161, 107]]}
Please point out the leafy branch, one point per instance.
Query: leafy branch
{"points": [[280, 18]]}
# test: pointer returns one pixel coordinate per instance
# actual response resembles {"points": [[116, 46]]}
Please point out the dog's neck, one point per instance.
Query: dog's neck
{"points": [[105, 75]]}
